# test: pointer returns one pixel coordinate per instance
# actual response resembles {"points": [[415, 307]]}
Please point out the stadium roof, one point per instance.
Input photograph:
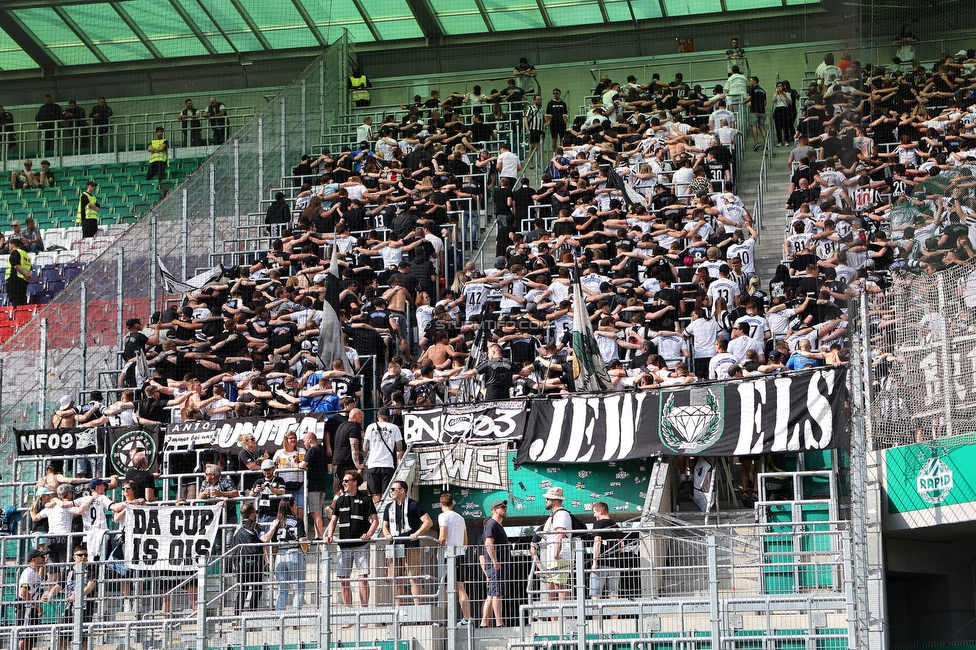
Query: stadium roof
{"points": [[57, 33]]}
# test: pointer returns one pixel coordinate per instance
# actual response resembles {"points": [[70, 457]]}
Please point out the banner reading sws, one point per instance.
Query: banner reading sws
{"points": [[771, 414]]}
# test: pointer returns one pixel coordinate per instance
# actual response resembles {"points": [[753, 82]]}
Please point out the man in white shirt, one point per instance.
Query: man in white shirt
{"points": [[453, 537], [724, 288], [383, 446], [718, 366], [703, 332], [745, 250], [364, 132], [508, 164], [741, 343], [721, 113]]}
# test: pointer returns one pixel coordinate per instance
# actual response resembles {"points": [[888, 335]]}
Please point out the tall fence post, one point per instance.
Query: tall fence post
{"points": [[325, 625], [119, 315], [78, 627], [321, 99], [83, 330], [713, 605], [946, 361], [42, 372], [185, 233], [304, 118], [580, 559], [202, 603], [451, 599], [260, 159], [153, 253], [237, 180], [213, 210], [284, 140]]}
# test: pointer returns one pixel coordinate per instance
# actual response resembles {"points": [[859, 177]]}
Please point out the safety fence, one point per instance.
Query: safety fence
{"points": [[725, 582], [78, 335]]}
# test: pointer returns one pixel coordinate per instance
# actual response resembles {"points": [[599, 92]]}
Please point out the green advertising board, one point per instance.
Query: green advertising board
{"points": [[622, 485], [931, 475]]}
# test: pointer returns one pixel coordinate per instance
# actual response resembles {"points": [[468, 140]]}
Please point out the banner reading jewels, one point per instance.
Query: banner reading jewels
{"points": [[169, 538], [471, 423], [772, 414], [223, 434], [482, 467]]}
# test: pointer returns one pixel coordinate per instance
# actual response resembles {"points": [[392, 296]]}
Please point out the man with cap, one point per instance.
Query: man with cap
{"points": [[29, 588], [92, 509], [267, 489], [88, 208], [556, 549], [18, 272], [354, 515], [496, 556]]}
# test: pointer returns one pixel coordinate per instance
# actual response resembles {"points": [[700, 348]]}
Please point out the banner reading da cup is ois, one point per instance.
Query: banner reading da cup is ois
{"points": [[169, 538]]}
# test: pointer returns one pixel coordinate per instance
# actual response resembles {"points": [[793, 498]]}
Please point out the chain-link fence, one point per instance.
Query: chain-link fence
{"points": [[72, 343], [921, 332]]}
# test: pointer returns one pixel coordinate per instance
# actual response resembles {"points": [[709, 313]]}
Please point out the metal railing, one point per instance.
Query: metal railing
{"points": [[60, 139], [725, 581]]}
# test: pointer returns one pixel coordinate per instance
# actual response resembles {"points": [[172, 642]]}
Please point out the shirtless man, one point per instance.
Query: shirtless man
{"points": [[398, 299], [441, 354]]}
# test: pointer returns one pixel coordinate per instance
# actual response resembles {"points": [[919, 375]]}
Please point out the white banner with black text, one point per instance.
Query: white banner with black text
{"points": [[169, 538], [467, 466]]}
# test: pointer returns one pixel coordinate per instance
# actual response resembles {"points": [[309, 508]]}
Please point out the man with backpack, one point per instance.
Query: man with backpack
{"points": [[556, 550]]}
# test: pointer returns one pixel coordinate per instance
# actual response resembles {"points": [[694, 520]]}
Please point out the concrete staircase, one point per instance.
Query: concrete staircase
{"points": [[769, 252]]}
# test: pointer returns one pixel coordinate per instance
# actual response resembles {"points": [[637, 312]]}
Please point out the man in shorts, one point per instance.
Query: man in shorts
{"points": [[29, 588], [757, 111], [383, 446], [556, 545], [496, 556], [404, 521], [607, 546], [317, 478], [354, 514], [453, 537]]}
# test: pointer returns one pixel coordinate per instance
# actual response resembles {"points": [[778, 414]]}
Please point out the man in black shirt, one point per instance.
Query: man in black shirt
{"points": [[347, 451], [498, 374], [557, 114], [143, 481], [757, 111], [317, 480], [497, 555]]}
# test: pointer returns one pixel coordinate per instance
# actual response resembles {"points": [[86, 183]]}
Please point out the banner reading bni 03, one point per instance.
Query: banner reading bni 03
{"points": [[169, 538]]}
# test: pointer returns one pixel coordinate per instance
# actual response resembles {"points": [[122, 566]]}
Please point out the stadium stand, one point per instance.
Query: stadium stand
{"points": [[630, 267]]}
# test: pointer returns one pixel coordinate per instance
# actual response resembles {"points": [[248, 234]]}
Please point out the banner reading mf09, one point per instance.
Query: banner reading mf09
{"points": [[169, 538]]}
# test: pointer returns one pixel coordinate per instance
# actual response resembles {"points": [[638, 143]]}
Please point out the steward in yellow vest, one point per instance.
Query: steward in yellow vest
{"points": [[18, 273], [158, 157], [358, 84], [88, 207]]}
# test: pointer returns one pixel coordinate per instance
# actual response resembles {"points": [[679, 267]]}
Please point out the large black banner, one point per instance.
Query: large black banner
{"points": [[772, 414], [492, 422], [223, 434], [56, 442], [122, 443]]}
